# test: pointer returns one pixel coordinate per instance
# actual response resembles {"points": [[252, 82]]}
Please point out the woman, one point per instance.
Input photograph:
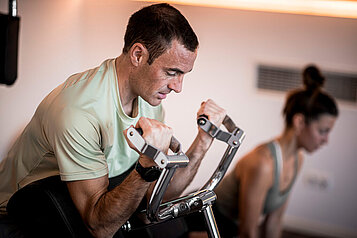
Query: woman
{"points": [[252, 198]]}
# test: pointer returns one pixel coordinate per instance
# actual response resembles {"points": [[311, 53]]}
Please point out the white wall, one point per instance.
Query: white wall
{"points": [[62, 37]]}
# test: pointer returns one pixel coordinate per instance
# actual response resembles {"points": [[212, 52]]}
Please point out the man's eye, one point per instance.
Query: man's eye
{"points": [[171, 73]]}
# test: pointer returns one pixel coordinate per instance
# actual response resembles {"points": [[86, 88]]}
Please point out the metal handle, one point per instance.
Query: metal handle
{"points": [[168, 164], [233, 138]]}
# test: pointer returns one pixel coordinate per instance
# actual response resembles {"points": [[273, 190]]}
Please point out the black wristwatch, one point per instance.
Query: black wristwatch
{"points": [[149, 174]]}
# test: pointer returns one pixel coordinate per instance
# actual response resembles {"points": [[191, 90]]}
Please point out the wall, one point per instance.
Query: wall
{"points": [[62, 37]]}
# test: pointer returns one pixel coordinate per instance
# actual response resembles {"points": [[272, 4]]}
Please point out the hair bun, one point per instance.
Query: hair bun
{"points": [[312, 78]]}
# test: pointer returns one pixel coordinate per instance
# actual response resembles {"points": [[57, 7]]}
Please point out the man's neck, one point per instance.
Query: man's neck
{"points": [[128, 101]]}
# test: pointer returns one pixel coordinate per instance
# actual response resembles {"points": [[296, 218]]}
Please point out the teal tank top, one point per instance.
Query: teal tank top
{"points": [[275, 198], [228, 190]]}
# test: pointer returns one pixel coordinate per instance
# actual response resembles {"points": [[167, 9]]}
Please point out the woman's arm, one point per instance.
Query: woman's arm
{"points": [[255, 173], [272, 226]]}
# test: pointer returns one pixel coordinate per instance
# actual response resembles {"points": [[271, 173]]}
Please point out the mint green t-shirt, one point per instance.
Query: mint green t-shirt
{"points": [[76, 132]]}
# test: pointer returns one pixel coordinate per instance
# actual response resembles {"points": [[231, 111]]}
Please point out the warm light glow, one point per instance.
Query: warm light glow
{"points": [[332, 8]]}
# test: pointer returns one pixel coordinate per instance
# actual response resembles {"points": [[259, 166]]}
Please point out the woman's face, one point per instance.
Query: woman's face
{"points": [[316, 133]]}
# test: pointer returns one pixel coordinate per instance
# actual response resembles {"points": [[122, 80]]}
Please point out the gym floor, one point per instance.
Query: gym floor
{"points": [[294, 234], [286, 234]]}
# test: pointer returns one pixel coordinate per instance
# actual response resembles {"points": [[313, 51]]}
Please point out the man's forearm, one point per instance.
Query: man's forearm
{"points": [[114, 208], [184, 176]]}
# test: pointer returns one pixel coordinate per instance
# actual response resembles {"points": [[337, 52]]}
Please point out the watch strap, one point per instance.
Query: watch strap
{"points": [[149, 174]]}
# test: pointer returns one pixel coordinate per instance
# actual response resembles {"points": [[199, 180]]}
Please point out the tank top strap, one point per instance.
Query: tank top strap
{"points": [[278, 162]]}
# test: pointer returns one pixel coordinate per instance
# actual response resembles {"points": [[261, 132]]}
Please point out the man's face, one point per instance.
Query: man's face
{"points": [[154, 82], [316, 133]]}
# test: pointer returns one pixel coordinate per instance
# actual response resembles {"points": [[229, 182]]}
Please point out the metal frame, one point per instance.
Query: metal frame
{"points": [[203, 199]]}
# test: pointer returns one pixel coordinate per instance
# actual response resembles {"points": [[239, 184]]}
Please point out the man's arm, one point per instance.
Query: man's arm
{"points": [[103, 211], [196, 152]]}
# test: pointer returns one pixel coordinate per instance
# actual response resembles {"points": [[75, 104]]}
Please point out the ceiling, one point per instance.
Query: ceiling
{"points": [[331, 8]]}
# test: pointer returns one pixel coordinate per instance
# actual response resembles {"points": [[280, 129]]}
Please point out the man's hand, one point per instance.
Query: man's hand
{"points": [[214, 112], [197, 150], [156, 134]]}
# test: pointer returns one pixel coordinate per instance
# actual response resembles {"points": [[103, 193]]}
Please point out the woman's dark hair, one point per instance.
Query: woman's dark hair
{"points": [[310, 101], [155, 27]]}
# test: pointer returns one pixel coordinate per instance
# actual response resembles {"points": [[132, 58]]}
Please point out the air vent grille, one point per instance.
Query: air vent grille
{"points": [[342, 86]]}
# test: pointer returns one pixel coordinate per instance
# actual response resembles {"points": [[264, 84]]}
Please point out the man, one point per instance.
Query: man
{"points": [[78, 129]]}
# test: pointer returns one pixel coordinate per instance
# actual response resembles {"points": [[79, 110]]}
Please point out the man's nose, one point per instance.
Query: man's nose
{"points": [[176, 84]]}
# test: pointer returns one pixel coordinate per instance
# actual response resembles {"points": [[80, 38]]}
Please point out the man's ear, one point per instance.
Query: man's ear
{"points": [[138, 54], [299, 122]]}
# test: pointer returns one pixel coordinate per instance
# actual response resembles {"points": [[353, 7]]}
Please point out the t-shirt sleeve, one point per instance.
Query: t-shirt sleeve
{"points": [[75, 138]]}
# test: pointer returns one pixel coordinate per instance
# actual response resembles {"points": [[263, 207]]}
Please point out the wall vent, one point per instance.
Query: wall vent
{"points": [[342, 86]]}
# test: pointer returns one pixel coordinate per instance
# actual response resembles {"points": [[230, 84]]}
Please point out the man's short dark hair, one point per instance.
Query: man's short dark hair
{"points": [[156, 26]]}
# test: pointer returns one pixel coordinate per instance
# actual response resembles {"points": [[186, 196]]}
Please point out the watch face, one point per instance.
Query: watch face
{"points": [[148, 174]]}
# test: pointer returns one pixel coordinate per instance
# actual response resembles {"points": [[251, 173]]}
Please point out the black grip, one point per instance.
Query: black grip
{"points": [[140, 131], [227, 122], [203, 115], [201, 120]]}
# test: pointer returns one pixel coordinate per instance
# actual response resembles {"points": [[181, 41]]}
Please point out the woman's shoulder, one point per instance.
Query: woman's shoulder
{"points": [[262, 151], [257, 161]]}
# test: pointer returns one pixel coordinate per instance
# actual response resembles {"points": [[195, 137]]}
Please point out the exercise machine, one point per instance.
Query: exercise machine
{"points": [[199, 201]]}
